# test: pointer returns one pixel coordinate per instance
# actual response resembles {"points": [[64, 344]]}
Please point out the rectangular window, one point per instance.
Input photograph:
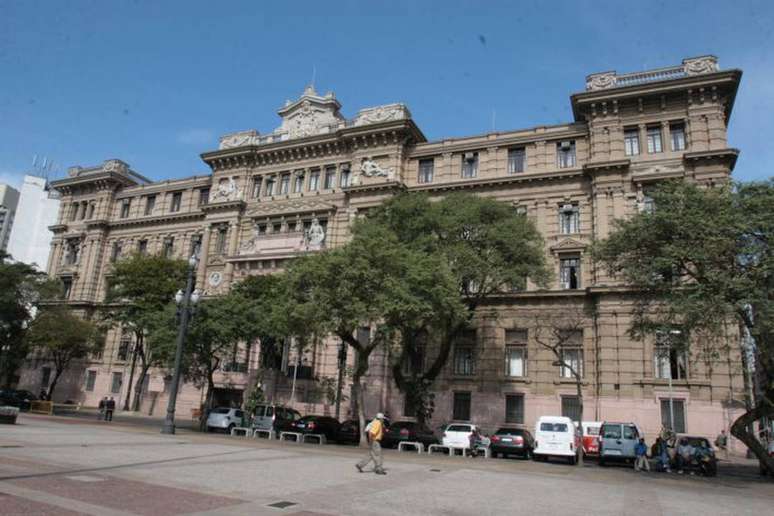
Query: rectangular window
{"points": [[515, 361], [517, 160], [150, 203], [314, 180], [177, 199], [330, 178], [269, 191], [256, 191], [123, 346], [67, 287], [669, 362], [571, 407], [115, 252], [569, 219], [142, 247], [344, 177], [464, 354], [514, 408], [677, 135], [676, 412], [284, 184], [469, 165], [572, 360], [654, 139], [73, 211], [169, 246], [204, 196], [565, 154], [91, 379], [425, 171], [196, 244], [92, 207], [569, 273], [461, 409], [115, 385], [220, 241], [632, 141], [298, 182], [125, 205]]}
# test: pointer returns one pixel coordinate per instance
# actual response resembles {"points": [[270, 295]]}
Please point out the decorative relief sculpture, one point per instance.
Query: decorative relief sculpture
{"points": [[315, 235], [227, 190], [215, 278], [700, 65], [370, 168], [379, 114], [600, 81], [239, 139]]}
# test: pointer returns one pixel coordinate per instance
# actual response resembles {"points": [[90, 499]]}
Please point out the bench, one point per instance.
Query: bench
{"points": [[263, 433], [296, 435], [436, 447], [319, 437], [419, 447], [240, 430]]}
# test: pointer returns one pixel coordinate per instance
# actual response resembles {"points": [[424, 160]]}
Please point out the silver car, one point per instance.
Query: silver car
{"points": [[224, 419]]}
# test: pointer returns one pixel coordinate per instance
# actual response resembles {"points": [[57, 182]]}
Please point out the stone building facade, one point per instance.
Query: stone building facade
{"points": [[272, 197]]}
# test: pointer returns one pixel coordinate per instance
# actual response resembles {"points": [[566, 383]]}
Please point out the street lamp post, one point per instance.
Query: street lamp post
{"points": [[185, 302]]}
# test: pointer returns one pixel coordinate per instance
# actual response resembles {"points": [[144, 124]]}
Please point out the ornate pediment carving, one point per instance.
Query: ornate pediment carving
{"points": [[568, 245], [290, 206], [380, 114], [311, 114], [700, 65]]}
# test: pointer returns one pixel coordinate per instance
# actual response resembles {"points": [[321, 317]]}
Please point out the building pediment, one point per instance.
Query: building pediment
{"points": [[310, 115], [568, 245], [291, 206]]}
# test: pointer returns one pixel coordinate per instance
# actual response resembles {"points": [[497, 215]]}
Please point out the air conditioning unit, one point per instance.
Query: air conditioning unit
{"points": [[470, 156], [567, 145]]}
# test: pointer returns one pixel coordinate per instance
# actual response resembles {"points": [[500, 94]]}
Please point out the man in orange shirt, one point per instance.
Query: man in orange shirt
{"points": [[374, 433]]}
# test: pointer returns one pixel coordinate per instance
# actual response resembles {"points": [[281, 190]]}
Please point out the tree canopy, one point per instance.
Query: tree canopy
{"points": [[701, 259]]}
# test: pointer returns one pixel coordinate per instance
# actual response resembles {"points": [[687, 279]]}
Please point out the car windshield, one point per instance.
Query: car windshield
{"points": [[592, 430], [611, 431], [510, 431], [697, 442], [458, 428], [553, 427], [221, 411]]}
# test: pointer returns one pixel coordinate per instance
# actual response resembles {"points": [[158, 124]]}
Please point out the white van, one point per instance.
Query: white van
{"points": [[556, 436]]}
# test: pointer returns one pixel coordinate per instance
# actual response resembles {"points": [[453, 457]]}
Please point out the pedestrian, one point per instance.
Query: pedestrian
{"points": [[641, 452], [110, 406], [43, 395], [661, 453], [374, 433], [102, 406], [684, 455], [721, 441]]}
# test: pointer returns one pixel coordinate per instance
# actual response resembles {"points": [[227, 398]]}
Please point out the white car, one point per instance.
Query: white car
{"points": [[224, 418], [458, 434], [556, 436]]}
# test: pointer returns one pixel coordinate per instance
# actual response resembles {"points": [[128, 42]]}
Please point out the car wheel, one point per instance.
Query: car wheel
{"points": [[230, 428], [528, 455]]}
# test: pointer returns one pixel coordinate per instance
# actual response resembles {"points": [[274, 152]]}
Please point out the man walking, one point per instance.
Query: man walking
{"points": [[102, 407], [374, 433], [641, 452], [110, 406]]}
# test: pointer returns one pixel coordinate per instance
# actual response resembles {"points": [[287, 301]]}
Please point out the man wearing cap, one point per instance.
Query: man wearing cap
{"points": [[374, 433]]}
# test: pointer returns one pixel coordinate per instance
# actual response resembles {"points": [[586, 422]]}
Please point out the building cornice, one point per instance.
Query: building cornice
{"points": [[156, 220], [499, 181]]}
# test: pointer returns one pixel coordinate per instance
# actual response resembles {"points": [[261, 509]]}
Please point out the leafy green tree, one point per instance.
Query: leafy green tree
{"points": [[141, 286], [701, 259], [486, 246], [60, 336], [22, 289]]}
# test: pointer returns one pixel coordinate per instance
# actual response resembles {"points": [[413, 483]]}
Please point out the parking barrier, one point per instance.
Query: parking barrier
{"points": [[266, 434], [420, 448], [320, 437], [284, 436], [240, 430], [435, 447]]}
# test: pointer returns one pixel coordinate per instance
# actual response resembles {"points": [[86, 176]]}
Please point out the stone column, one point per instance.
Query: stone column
{"points": [[203, 256], [666, 144], [233, 240]]}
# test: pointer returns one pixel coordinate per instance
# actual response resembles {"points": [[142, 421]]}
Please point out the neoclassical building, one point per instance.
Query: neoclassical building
{"points": [[275, 196]]}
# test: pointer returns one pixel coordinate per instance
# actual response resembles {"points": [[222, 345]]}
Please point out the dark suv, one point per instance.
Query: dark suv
{"points": [[512, 441], [324, 425], [15, 398], [408, 431]]}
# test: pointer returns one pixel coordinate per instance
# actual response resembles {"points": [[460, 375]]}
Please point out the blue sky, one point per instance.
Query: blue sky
{"points": [[155, 82]]}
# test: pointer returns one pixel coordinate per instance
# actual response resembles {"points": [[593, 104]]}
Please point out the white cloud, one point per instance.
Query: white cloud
{"points": [[195, 136]]}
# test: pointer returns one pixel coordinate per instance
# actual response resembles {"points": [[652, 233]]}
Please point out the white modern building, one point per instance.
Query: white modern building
{"points": [[30, 241], [9, 199]]}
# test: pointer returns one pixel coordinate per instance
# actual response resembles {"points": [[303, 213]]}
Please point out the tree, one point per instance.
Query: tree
{"points": [[60, 336], [562, 334], [487, 247], [140, 288], [701, 259], [22, 289]]}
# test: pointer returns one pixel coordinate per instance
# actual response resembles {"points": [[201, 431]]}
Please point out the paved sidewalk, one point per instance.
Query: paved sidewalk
{"points": [[73, 466]]}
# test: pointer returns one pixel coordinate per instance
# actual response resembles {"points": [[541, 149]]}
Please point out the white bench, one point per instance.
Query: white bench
{"points": [[261, 432], [420, 448], [436, 447], [240, 430], [296, 435], [320, 438]]}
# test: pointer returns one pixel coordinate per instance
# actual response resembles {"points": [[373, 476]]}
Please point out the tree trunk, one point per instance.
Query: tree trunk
{"points": [[139, 386], [57, 373], [207, 402], [741, 430], [131, 377], [578, 386]]}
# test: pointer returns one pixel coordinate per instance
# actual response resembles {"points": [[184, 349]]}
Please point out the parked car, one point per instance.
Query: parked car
{"points": [[274, 417], [324, 425], [408, 431], [704, 460], [556, 436], [17, 398], [512, 441], [590, 437], [458, 434], [349, 432], [224, 419], [618, 441]]}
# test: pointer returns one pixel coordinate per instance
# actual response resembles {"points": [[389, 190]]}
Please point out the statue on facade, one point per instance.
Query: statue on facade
{"points": [[227, 190], [370, 168], [315, 235]]}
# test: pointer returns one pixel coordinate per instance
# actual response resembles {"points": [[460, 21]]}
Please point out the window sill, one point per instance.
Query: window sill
{"points": [[518, 379], [570, 381], [663, 382]]}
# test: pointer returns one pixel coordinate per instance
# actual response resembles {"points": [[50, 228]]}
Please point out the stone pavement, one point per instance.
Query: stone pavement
{"points": [[52, 465]]}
